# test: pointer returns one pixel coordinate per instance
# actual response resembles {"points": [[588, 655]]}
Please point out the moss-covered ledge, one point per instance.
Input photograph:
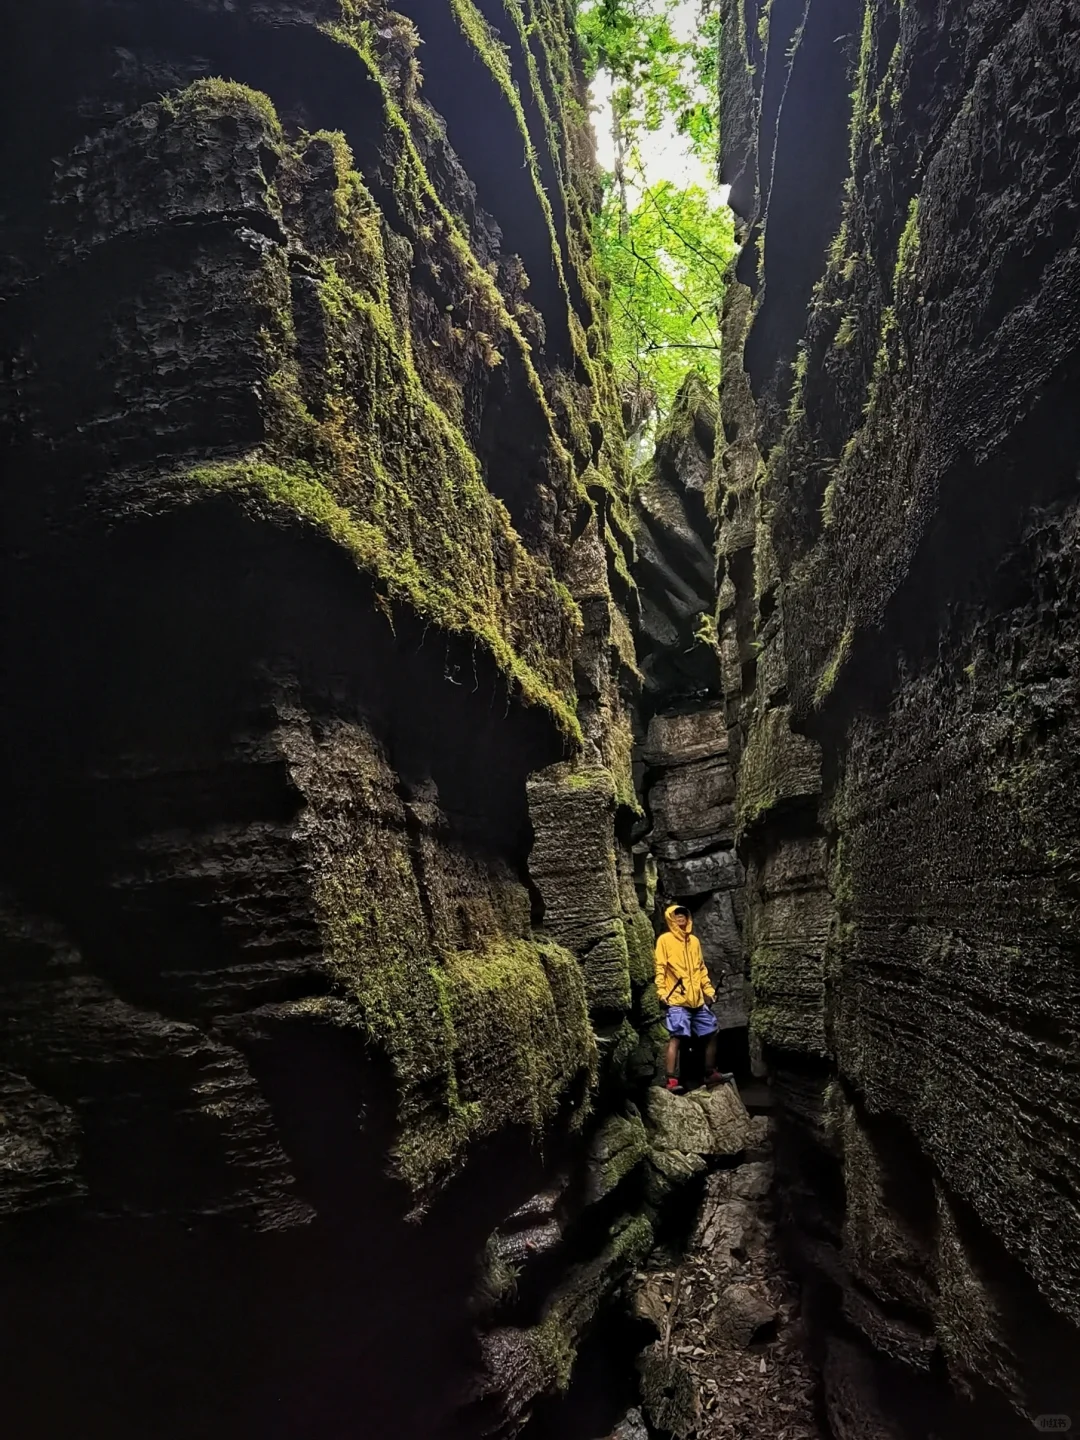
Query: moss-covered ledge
{"points": [[352, 436]]}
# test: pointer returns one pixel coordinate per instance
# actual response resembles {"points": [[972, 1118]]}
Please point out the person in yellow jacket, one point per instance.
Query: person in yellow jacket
{"points": [[685, 990]]}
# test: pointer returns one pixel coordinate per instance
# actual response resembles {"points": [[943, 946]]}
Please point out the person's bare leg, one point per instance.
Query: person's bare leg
{"points": [[710, 1055], [712, 1075], [671, 1059]]}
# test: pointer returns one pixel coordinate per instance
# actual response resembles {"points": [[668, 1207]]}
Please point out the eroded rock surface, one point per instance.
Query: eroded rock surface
{"points": [[896, 511], [731, 1361], [684, 758], [317, 529]]}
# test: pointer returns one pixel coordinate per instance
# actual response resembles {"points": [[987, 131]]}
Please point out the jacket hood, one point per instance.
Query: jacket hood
{"points": [[669, 916]]}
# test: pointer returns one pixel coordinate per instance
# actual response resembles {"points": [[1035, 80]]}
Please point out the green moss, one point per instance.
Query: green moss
{"points": [[777, 764], [555, 1350], [799, 368], [882, 360], [765, 1020], [795, 1024], [763, 24], [498, 1279], [420, 205], [214, 97], [478, 1039], [574, 1305], [828, 502], [908, 251], [838, 246], [760, 802], [269, 489], [619, 741], [590, 780], [887, 97], [622, 1053], [640, 945], [622, 642], [784, 974], [546, 34], [845, 332], [385, 470], [619, 1145], [860, 96], [841, 885], [494, 55], [618, 569], [827, 678]]}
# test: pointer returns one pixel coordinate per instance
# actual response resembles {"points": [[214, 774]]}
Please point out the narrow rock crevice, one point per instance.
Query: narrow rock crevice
{"points": [[362, 716]]}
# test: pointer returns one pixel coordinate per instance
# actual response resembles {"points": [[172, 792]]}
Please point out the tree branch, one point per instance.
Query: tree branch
{"points": [[653, 200]]}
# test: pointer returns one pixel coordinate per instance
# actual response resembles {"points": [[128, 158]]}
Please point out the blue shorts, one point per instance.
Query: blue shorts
{"points": [[681, 1021]]}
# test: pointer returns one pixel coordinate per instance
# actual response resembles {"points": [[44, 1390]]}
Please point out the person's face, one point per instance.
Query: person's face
{"points": [[682, 919]]}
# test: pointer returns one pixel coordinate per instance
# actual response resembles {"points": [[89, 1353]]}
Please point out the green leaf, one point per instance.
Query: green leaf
{"points": [[664, 256]]}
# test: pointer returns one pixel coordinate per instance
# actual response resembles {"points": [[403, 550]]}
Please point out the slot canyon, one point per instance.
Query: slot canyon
{"points": [[366, 703]]}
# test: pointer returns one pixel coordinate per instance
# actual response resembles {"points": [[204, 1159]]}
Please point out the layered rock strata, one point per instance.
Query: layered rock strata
{"points": [[321, 956], [685, 843], [896, 509]]}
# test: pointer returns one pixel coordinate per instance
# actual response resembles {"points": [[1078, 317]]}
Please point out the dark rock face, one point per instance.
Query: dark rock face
{"points": [[676, 563], [897, 528], [684, 761], [315, 557]]}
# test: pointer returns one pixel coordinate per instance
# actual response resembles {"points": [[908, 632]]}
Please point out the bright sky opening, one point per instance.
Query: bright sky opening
{"points": [[665, 154]]}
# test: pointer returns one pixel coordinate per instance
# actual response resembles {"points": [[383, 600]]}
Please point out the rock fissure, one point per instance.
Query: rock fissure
{"points": [[363, 714]]}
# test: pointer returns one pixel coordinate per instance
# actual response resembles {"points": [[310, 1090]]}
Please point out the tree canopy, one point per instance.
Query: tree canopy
{"points": [[663, 244]]}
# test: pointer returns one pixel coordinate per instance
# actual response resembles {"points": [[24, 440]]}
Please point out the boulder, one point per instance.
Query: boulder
{"points": [[742, 1316], [678, 739], [677, 1123], [694, 803], [649, 1299], [726, 1117], [619, 1144], [670, 1393], [761, 1128], [572, 865], [752, 1181], [666, 1171]]}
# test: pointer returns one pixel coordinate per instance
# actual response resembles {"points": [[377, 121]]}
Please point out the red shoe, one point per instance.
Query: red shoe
{"points": [[673, 1087], [719, 1077]]}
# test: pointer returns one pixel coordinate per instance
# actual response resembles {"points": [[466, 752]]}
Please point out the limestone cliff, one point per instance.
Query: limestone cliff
{"points": [[896, 512], [321, 961]]}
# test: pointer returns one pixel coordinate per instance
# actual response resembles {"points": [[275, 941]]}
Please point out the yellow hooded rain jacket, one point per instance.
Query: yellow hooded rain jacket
{"points": [[681, 976]]}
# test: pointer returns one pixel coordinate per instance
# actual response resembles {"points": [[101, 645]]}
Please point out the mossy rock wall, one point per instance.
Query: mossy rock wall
{"points": [[317, 514], [896, 405]]}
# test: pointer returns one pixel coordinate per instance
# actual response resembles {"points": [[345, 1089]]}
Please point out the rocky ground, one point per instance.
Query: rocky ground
{"points": [[730, 1359]]}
